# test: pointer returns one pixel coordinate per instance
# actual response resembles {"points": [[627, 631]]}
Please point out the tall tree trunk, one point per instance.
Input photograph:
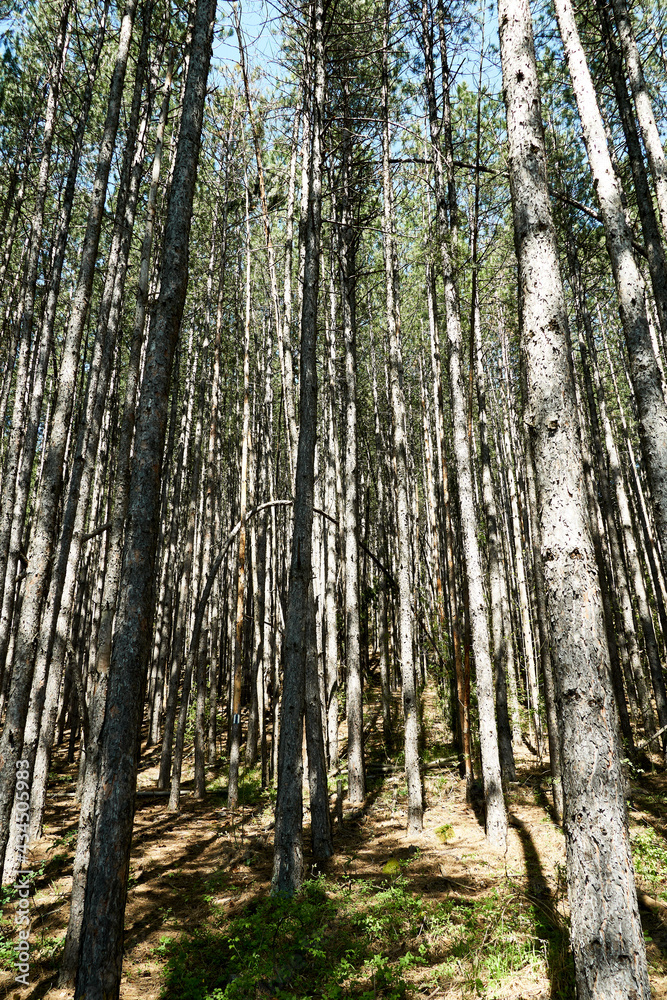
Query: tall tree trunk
{"points": [[644, 370], [354, 693], [545, 639], [497, 624], [282, 324], [331, 625], [609, 456], [288, 850], [320, 819], [59, 607], [650, 227], [174, 652], [406, 613], [27, 314], [649, 129], [500, 639], [187, 575], [101, 953], [496, 817], [14, 486], [607, 938], [235, 735], [47, 505], [382, 598]]}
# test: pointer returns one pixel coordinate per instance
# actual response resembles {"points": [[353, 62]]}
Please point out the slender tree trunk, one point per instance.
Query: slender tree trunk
{"points": [[56, 74], [187, 574], [320, 819], [331, 656], [382, 599], [173, 653], [406, 614], [647, 215], [282, 325], [496, 817], [235, 742], [100, 961], [649, 129], [644, 370], [618, 560], [497, 622], [56, 620], [607, 939], [16, 472], [545, 639], [288, 856], [354, 693], [47, 505]]}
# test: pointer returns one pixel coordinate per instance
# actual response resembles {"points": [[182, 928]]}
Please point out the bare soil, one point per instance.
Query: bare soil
{"points": [[203, 866]]}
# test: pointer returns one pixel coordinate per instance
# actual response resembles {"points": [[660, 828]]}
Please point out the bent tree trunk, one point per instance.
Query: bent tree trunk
{"points": [[607, 939], [102, 945]]}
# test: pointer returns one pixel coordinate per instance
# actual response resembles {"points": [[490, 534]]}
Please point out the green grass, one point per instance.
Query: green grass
{"points": [[367, 939], [649, 854], [316, 945]]}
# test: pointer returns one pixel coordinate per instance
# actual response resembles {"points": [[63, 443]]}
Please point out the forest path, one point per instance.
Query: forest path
{"points": [[440, 915]]}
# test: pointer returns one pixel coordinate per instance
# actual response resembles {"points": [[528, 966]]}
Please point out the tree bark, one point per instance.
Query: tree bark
{"points": [[496, 816], [100, 961], [400, 456], [47, 504], [235, 740], [649, 129], [288, 841], [607, 938], [644, 370], [354, 692]]}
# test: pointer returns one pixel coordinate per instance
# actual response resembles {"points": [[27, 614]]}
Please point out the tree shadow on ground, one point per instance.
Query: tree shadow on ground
{"points": [[311, 945], [550, 926]]}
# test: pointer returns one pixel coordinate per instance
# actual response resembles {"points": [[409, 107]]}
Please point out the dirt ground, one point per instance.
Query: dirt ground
{"points": [[203, 861]]}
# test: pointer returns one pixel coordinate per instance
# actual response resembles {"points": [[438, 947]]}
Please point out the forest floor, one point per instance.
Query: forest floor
{"points": [[440, 915]]}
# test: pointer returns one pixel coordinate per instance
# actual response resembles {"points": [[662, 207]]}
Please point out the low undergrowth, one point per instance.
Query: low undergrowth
{"points": [[649, 854], [366, 939]]}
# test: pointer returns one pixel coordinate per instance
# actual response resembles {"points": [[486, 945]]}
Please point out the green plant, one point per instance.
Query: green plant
{"points": [[326, 943], [445, 832], [67, 840], [649, 854], [48, 949]]}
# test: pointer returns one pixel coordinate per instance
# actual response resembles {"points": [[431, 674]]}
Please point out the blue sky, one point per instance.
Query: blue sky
{"points": [[260, 26]]}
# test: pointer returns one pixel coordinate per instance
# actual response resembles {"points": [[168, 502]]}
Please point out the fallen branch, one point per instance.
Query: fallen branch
{"points": [[650, 902], [96, 532], [642, 746]]}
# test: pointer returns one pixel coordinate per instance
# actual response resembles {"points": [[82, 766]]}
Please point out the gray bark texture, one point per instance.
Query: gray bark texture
{"points": [[607, 939], [320, 818], [496, 816], [644, 369], [400, 443], [100, 961], [649, 129], [354, 698], [500, 639], [647, 215], [288, 850], [47, 506]]}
